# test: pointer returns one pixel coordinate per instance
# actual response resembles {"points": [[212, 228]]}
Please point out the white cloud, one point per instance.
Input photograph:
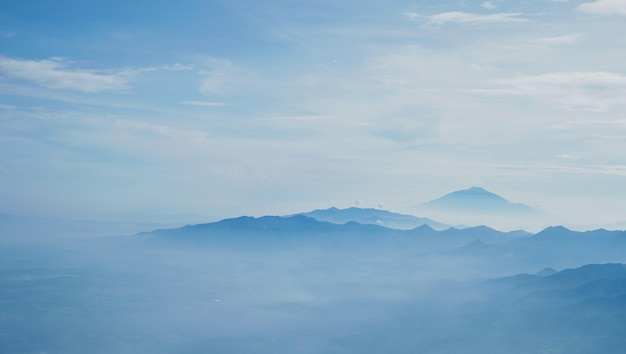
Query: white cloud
{"points": [[614, 170], [568, 157], [488, 5], [53, 73], [559, 40], [593, 91], [148, 69], [217, 77], [6, 107], [604, 7], [177, 67], [569, 79], [464, 17], [413, 15], [223, 77], [205, 104], [301, 118]]}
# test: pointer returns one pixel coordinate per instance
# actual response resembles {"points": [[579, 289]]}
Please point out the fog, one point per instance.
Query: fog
{"points": [[292, 294]]}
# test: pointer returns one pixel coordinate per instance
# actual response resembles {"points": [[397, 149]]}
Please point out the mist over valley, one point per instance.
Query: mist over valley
{"points": [[284, 284]]}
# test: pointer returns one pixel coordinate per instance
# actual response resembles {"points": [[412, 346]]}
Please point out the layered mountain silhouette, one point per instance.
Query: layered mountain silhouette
{"points": [[578, 310], [269, 225], [373, 216], [300, 225], [550, 279], [303, 231], [556, 247]]}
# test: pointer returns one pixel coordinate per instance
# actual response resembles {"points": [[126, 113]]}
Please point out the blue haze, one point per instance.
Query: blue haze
{"points": [[149, 148], [295, 284]]}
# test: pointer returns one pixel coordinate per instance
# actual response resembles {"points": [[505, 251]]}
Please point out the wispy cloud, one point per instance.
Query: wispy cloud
{"points": [[604, 7], [488, 5], [225, 77], [559, 40], [6, 107], [592, 80], [412, 15], [205, 104], [470, 18], [593, 91], [149, 69], [301, 118], [216, 78], [614, 170], [567, 157], [55, 74]]}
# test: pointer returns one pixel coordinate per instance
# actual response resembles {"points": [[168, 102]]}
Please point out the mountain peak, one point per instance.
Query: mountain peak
{"points": [[475, 192], [554, 231], [477, 205], [475, 199]]}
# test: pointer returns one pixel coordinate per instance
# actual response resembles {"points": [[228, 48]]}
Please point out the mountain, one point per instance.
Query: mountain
{"points": [[476, 199], [247, 225], [275, 231], [373, 216], [546, 271], [518, 314], [516, 251], [571, 280], [559, 247], [302, 231], [478, 206]]}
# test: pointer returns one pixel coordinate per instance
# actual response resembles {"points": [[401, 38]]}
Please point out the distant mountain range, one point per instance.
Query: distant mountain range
{"points": [[556, 247], [569, 291], [359, 228], [276, 230], [373, 216], [268, 226]]}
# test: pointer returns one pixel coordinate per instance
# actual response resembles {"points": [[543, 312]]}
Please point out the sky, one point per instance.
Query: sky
{"points": [[226, 108]]}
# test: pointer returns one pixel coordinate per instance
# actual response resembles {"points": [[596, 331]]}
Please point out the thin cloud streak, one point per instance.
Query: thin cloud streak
{"points": [[611, 170], [604, 7], [594, 91], [54, 74], [470, 18], [559, 40], [205, 104]]}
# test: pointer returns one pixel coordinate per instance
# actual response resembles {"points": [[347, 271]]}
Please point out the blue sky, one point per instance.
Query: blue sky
{"points": [[224, 108]]}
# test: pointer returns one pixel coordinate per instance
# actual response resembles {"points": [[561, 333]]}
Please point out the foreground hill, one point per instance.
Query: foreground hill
{"points": [[581, 310]]}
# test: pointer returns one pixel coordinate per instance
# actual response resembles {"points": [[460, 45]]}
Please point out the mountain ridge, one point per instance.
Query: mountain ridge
{"points": [[373, 216]]}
